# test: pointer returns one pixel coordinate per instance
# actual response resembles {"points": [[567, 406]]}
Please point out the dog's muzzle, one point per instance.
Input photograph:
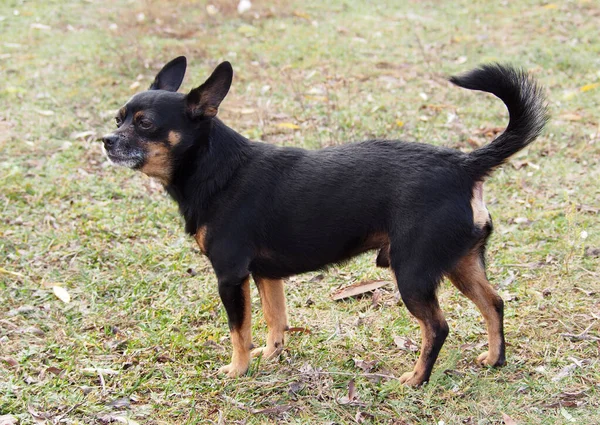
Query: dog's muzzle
{"points": [[120, 153]]}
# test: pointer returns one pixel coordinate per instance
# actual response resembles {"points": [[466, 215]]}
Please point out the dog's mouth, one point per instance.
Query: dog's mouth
{"points": [[130, 160]]}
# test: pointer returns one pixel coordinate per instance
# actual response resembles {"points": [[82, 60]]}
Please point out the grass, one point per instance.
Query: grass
{"points": [[144, 332]]}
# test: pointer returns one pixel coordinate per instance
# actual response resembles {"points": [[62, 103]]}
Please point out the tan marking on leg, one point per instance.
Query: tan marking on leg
{"points": [[200, 237], [158, 163], [272, 298], [469, 277], [241, 339], [428, 335], [174, 138], [480, 213]]}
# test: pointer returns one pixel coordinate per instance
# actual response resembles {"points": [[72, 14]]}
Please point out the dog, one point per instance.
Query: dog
{"points": [[271, 212]]}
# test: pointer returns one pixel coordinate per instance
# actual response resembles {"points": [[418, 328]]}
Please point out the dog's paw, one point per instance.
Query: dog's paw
{"points": [[233, 370], [411, 379], [268, 352], [485, 359]]}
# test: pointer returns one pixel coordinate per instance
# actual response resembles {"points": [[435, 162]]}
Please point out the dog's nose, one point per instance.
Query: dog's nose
{"points": [[109, 140]]}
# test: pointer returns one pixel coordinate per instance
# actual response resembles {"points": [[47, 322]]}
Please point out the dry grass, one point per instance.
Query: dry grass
{"points": [[144, 332]]}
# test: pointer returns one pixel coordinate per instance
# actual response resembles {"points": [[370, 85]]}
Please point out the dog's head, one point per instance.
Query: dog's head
{"points": [[154, 124]]}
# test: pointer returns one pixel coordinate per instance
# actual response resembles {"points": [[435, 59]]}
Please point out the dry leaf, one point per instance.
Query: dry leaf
{"points": [[377, 296], [10, 361], [564, 372], [405, 344], [298, 329], [62, 294], [3, 270], [277, 410], [567, 415], [571, 117], [591, 252], [54, 370], [508, 420], [589, 87], [38, 26], [316, 98], [352, 396], [31, 330], [351, 390], [24, 309], [302, 15], [358, 289], [288, 125], [366, 366], [120, 402], [361, 417], [38, 417], [8, 420], [211, 9], [490, 131], [97, 370], [521, 220], [83, 134], [110, 418], [475, 142]]}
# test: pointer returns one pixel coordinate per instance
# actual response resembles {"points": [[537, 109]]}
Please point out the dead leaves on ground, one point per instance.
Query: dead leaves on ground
{"points": [[508, 420], [406, 344], [8, 420], [359, 289]]}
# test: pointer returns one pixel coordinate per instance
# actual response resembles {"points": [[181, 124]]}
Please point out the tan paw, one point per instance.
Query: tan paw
{"points": [[233, 370], [411, 378], [486, 360], [267, 352]]}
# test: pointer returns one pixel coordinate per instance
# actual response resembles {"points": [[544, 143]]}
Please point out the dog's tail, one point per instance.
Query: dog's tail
{"points": [[526, 107]]}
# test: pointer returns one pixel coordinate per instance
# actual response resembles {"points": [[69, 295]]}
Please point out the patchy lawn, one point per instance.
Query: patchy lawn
{"points": [[144, 331]]}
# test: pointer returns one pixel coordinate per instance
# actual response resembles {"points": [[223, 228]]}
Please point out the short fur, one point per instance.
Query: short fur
{"points": [[271, 212]]}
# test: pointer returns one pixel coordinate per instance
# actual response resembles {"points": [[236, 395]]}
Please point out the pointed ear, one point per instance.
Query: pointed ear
{"points": [[170, 77], [204, 101]]}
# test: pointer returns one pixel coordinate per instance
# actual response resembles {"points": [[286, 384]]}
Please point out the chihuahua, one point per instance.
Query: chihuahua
{"points": [[271, 212]]}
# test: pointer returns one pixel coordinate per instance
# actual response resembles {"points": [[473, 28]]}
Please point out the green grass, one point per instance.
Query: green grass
{"points": [[342, 72]]}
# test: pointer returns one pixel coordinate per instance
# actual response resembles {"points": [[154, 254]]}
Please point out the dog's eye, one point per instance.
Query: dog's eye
{"points": [[119, 121], [145, 124]]}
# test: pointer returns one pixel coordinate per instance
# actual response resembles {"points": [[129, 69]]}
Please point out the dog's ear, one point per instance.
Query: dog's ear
{"points": [[170, 77], [204, 101]]}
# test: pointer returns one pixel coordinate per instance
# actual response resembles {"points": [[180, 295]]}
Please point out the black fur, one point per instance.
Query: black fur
{"points": [[525, 103], [279, 211]]}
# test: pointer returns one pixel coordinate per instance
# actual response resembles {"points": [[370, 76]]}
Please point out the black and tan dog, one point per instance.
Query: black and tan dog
{"points": [[270, 212]]}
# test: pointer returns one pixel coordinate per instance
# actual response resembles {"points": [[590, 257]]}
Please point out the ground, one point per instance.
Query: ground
{"points": [[144, 332]]}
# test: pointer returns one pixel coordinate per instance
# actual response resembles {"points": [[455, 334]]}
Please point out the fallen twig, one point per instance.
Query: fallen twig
{"points": [[582, 335]]}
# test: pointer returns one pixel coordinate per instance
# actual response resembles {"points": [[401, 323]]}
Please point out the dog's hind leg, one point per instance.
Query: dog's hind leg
{"points": [[470, 278], [272, 298], [418, 293]]}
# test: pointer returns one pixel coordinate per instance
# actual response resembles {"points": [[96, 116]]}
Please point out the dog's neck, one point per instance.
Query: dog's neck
{"points": [[211, 162]]}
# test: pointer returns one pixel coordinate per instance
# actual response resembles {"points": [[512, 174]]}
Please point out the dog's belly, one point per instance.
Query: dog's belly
{"points": [[297, 258], [277, 269]]}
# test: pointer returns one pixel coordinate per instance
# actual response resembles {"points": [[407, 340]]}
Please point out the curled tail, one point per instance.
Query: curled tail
{"points": [[526, 107]]}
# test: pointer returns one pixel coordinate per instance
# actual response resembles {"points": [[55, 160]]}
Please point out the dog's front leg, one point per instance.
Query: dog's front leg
{"points": [[272, 298], [235, 295]]}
